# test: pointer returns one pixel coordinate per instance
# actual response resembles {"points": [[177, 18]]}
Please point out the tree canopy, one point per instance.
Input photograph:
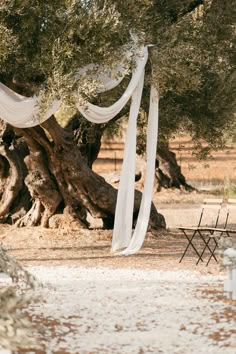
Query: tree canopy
{"points": [[192, 61]]}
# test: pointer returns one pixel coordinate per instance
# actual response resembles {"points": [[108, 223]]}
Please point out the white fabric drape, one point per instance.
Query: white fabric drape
{"points": [[22, 112], [125, 199], [138, 237], [106, 77], [98, 114]]}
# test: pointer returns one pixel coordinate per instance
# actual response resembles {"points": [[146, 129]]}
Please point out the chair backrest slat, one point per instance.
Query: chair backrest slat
{"points": [[211, 203], [231, 203]]}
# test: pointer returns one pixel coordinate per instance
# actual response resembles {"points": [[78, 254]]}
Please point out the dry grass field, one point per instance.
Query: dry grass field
{"points": [[218, 169], [217, 173]]}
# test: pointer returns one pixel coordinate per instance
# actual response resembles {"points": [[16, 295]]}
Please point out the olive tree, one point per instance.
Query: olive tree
{"points": [[46, 169]]}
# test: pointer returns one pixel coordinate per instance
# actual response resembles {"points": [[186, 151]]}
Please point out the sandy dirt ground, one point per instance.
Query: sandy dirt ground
{"points": [[92, 248], [95, 302]]}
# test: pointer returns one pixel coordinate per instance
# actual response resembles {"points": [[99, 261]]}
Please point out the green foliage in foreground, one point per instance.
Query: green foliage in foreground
{"points": [[11, 267], [15, 328]]}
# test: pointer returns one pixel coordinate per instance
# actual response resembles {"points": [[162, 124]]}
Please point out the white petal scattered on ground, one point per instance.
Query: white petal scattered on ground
{"points": [[101, 310]]}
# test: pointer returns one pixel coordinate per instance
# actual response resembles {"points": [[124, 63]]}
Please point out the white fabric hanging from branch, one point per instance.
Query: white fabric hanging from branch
{"points": [[125, 199], [136, 241], [98, 114], [22, 112]]}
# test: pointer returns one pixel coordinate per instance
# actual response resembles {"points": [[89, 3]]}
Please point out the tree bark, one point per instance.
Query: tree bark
{"points": [[87, 136], [15, 199], [59, 180], [168, 172]]}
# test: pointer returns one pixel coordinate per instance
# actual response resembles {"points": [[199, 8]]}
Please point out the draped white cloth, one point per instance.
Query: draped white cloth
{"points": [[20, 111], [136, 241], [23, 112], [97, 114]]}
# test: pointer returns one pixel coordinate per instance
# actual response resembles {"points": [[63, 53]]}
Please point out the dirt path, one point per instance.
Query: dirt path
{"points": [[95, 302], [101, 310]]}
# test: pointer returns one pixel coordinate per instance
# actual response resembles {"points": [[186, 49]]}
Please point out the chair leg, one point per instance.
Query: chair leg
{"points": [[213, 253], [215, 247], [204, 249], [190, 244], [207, 247]]}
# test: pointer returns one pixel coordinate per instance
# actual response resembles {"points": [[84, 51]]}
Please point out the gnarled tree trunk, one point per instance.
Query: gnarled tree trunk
{"points": [[168, 172], [87, 136], [14, 196], [60, 180]]}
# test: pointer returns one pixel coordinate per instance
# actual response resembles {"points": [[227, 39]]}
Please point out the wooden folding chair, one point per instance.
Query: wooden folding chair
{"points": [[228, 229], [207, 221]]}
